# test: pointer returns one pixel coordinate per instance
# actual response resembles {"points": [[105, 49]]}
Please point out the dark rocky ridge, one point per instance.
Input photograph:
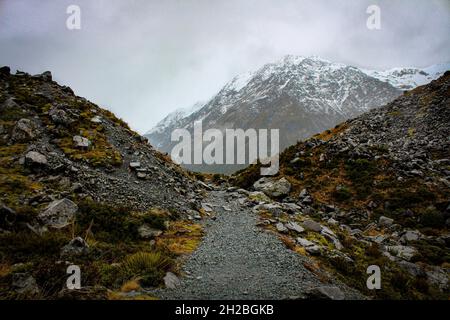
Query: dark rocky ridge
{"points": [[39, 115]]}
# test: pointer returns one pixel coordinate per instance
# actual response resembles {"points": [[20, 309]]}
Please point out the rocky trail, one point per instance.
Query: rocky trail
{"points": [[239, 260]]}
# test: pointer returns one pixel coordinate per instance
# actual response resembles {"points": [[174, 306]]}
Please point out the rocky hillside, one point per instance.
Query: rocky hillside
{"points": [[77, 185], [374, 190]]}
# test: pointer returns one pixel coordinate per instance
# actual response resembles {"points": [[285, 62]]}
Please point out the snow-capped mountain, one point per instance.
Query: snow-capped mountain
{"points": [[297, 95], [409, 78], [171, 121]]}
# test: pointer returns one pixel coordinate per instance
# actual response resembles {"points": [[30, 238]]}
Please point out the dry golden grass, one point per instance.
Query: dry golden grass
{"points": [[114, 295], [132, 285], [328, 134], [5, 270], [182, 237]]}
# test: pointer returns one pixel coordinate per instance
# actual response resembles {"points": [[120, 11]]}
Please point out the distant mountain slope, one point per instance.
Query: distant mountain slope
{"points": [[409, 78], [300, 96], [171, 121]]}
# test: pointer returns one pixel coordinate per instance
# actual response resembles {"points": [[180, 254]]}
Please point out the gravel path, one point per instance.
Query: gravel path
{"points": [[239, 260]]}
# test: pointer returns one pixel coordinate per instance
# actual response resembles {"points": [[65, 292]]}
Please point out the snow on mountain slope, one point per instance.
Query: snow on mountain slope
{"points": [[173, 118], [409, 78], [299, 96]]}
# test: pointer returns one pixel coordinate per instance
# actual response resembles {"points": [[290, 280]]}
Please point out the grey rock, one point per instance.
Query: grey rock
{"points": [[385, 221], [171, 281], [141, 175], [312, 225], [291, 207], [59, 116], [33, 158], [207, 207], [412, 268], [438, 277], [273, 208], [24, 130], [75, 247], [147, 232], [314, 250], [410, 235], [294, 226], [273, 188], [280, 227], [332, 222], [81, 142], [59, 213], [403, 252], [304, 242], [135, 164], [25, 284], [96, 119], [303, 193]]}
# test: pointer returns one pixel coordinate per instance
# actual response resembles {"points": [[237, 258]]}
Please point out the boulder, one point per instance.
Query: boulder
{"points": [[171, 281], [412, 268], [305, 197], [59, 116], [141, 175], [294, 226], [410, 235], [25, 284], [34, 158], [147, 232], [304, 242], [75, 247], [96, 119], [438, 277], [273, 188], [24, 130], [385, 221], [402, 252], [330, 235], [312, 225], [135, 164], [272, 208], [291, 207], [206, 207], [81, 142], [314, 250], [280, 227], [59, 213]]}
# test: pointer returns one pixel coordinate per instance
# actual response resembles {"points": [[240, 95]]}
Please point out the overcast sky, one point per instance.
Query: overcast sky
{"points": [[144, 58]]}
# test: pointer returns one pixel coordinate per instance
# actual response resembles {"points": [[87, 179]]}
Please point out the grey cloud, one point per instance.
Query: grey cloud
{"points": [[142, 59]]}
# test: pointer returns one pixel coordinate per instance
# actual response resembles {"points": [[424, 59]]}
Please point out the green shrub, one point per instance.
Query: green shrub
{"points": [[432, 219], [342, 194], [109, 224], [361, 172]]}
